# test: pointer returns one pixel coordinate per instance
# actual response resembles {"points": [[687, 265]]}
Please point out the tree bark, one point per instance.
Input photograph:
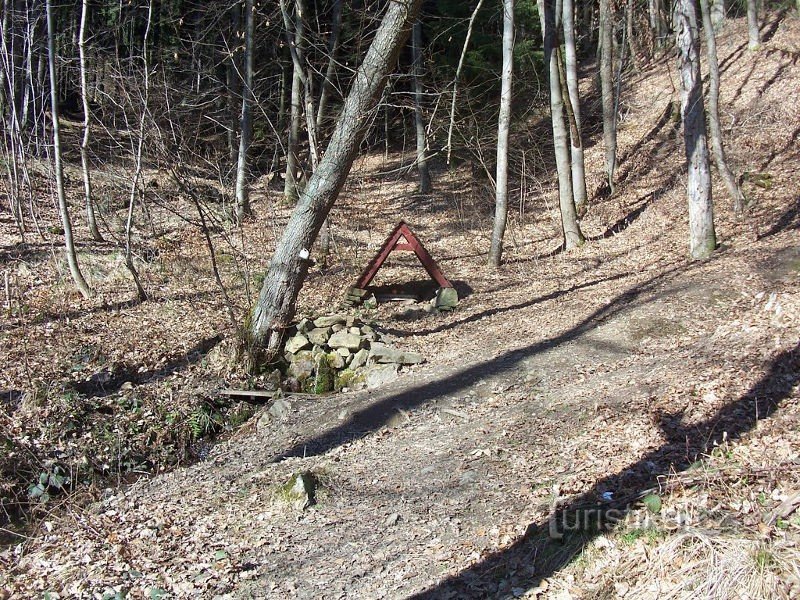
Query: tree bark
{"points": [[69, 244], [571, 65], [717, 10], [87, 127], [713, 112], [573, 236], [702, 237], [419, 121], [503, 125], [753, 33], [607, 90], [243, 208], [289, 265]]}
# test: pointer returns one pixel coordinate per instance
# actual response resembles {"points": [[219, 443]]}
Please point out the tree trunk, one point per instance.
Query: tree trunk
{"points": [[419, 121], [456, 78], [571, 64], [234, 85], [607, 90], [753, 33], [717, 10], [503, 125], [713, 112], [702, 238], [333, 47], [87, 126], [69, 244], [290, 188], [243, 208], [289, 265]]}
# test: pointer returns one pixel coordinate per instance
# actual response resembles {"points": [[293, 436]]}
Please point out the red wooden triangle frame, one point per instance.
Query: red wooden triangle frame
{"points": [[411, 243]]}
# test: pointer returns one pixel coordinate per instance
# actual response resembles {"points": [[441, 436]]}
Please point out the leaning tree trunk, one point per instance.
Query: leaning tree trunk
{"points": [[503, 124], [753, 34], [419, 122], [702, 238], [713, 112], [289, 265], [243, 208], [576, 146], [607, 90], [573, 236], [87, 128], [69, 244]]}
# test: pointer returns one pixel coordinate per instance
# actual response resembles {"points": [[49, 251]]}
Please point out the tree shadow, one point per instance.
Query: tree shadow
{"points": [[790, 219], [551, 544], [376, 414]]}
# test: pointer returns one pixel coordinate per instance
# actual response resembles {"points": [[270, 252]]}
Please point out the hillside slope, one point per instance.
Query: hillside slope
{"points": [[583, 380]]}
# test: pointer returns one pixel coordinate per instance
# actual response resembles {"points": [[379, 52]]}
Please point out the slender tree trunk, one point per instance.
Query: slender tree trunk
{"points": [[713, 113], [456, 78], [717, 10], [702, 238], [503, 125], [289, 264], [234, 82], [571, 64], [573, 236], [243, 208], [87, 127], [753, 33], [333, 47], [419, 121], [607, 90], [69, 244], [137, 174], [290, 191]]}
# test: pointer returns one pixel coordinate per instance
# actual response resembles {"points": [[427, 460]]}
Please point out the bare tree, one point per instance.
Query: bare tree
{"points": [[702, 237], [574, 106], [289, 265], [573, 236], [290, 190], [87, 127], [333, 47], [713, 112], [607, 89], [753, 33], [503, 125], [419, 121], [456, 78], [243, 208], [69, 245]]}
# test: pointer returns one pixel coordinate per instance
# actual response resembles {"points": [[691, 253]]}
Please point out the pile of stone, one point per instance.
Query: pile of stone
{"points": [[341, 353]]}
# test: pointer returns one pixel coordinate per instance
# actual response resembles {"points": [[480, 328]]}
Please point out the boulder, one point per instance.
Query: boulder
{"points": [[446, 298], [359, 359], [383, 353], [319, 335], [297, 343], [330, 321], [304, 325], [345, 339], [336, 360], [379, 375], [302, 365]]}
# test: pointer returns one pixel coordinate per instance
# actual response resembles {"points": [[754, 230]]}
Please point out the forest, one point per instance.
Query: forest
{"points": [[399, 299]]}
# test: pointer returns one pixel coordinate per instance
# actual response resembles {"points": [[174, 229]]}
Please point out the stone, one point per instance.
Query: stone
{"points": [[302, 365], [359, 359], [304, 325], [345, 339], [322, 380], [379, 375], [273, 381], [335, 360], [319, 335], [446, 298], [348, 379], [383, 353], [280, 408], [337, 327], [297, 343], [343, 352], [354, 330], [370, 301], [299, 491], [330, 321]]}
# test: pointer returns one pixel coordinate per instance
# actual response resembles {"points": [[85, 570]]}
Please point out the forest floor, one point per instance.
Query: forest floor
{"points": [[565, 384]]}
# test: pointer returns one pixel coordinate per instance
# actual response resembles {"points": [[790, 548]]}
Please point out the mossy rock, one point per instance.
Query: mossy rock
{"points": [[300, 490], [321, 381]]}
